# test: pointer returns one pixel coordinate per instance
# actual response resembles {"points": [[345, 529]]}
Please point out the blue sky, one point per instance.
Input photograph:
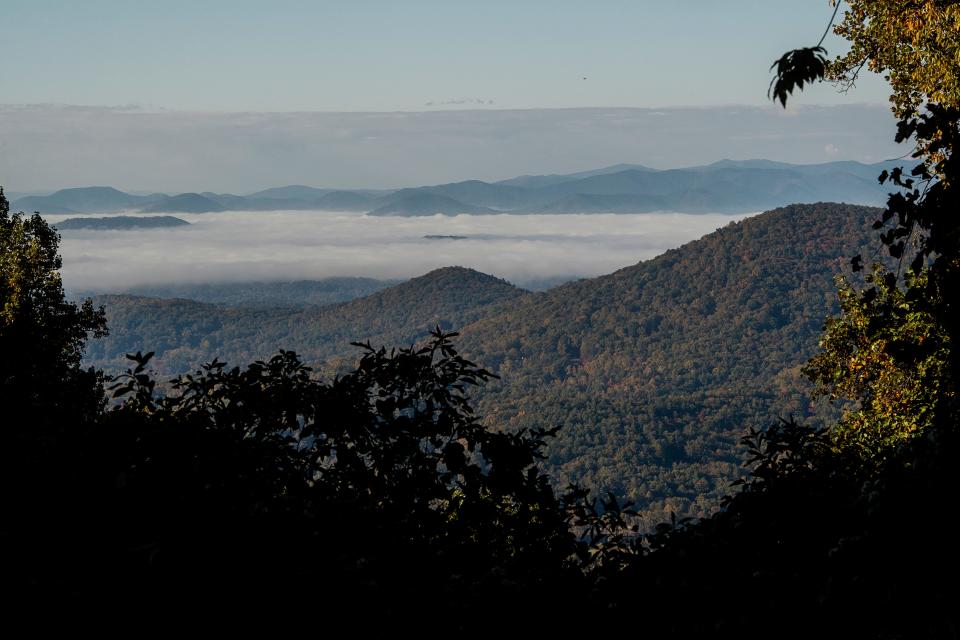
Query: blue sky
{"points": [[239, 96], [411, 55]]}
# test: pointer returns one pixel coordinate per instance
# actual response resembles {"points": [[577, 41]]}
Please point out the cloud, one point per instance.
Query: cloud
{"points": [[831, 150], [458, 102], [275, 246], [51, 147]]}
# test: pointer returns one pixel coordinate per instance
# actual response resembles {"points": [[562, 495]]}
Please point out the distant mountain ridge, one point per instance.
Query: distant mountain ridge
{"points": [[426, 204], [185, 203], [86, 200], [726, 186]]}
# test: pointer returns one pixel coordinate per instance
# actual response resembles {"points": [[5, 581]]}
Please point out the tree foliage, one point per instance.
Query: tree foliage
{"points": [[891, 349], [794, 69], [888, 355], [915, 44], [654, 371], [42, 336], [383, 479]]}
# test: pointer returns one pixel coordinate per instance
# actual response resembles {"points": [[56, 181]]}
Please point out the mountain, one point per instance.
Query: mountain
{"points": [[722, 189], [726, 186], [543, 181], [84, 200], [593, 203], [229, 201], [185, 203], [185, 333], [426, 204], [654, 372], [866, 171], [478, 193], [291, 192], [345, 201], [301, 293], [120, 223]]}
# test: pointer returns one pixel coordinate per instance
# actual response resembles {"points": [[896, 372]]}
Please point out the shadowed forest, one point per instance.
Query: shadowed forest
{"points": [[376, 496], [654, 372]]}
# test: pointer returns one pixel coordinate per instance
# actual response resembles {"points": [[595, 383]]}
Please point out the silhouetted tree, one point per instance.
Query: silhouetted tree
{"points": [[42, 335], [378, 495]]}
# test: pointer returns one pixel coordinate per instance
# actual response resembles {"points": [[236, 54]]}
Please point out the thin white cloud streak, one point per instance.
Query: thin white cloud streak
{"points": [[291, 245]]}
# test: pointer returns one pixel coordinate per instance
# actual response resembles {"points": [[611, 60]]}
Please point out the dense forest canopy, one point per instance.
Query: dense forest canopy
{"points": [[653, 372]]}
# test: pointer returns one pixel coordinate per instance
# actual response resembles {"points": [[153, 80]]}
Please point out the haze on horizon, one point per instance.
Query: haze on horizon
{"points": [[45, 148], [237, 97]]}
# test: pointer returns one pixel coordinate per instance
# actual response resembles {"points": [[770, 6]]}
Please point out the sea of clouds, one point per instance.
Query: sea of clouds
{"points": [[304, 245]]}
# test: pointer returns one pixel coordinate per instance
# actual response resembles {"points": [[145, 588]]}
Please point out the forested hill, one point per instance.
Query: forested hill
{"points": [[299, 293], [185, 333], [655, 371]]}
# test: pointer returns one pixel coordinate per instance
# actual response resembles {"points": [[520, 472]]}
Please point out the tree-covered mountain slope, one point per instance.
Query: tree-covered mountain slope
{"points": [[186, 333], [298, 293], [654, 372]]}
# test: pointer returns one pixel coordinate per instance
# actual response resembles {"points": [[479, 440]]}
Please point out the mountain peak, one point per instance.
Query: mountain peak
{"points": [[421, 203], [185, 203]]}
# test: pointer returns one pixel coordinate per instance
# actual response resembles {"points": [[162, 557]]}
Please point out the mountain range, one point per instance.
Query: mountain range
{"points": [[653, 372], [727, 186]]}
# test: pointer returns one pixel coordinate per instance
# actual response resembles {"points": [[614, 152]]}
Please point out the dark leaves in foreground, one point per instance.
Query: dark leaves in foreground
{"points": [[382, 479], [794, 69]]}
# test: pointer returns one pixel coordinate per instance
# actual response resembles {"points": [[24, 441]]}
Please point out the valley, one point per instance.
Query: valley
{"points": [[653, 372]]}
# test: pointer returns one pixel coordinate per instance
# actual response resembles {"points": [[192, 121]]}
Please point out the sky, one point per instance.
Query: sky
{"points": [[44, 148], [366, 55], [240, 96]]}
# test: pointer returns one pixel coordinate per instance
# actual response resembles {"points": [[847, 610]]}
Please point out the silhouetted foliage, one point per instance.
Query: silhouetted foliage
{"points": [[809, 547], [796, 68], [42, 336], [378, 493]]}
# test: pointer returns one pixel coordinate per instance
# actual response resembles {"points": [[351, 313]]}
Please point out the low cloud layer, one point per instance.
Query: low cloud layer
{"points": [[276, 246], [51, 147]]}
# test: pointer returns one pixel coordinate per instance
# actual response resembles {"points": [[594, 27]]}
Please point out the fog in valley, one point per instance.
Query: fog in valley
{"points": [[529, 250]]}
